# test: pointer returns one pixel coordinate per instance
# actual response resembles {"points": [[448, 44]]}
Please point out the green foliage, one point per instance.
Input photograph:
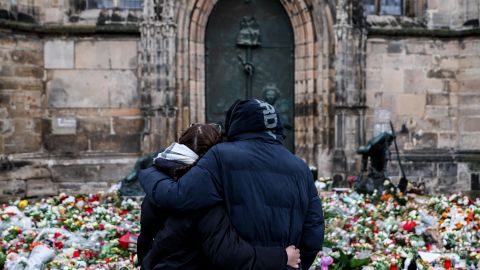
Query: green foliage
{"points": [[3, 258], [348, 262], [327, 243]]}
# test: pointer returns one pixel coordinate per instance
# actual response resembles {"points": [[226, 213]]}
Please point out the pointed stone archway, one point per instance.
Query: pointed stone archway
{"points": [[312, 27]]}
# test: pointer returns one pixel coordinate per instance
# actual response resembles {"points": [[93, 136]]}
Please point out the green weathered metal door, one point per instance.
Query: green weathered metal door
{"points": [[250, 54]]}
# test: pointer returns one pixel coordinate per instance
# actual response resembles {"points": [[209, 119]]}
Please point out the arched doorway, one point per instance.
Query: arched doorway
{"points": [[249, 53], [313, 82]]}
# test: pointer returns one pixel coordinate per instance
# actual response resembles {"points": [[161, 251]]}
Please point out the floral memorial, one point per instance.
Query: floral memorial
{"points": [[384, 231]]}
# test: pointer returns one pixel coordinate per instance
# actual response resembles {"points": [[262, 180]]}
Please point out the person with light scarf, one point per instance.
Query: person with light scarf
{"points": [[203, 239]]}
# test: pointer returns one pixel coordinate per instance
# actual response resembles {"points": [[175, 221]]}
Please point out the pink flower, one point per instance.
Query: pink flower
{"points": [[325, 261]]}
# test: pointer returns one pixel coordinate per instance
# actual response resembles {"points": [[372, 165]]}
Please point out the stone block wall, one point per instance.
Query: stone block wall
{"points": [[70, 102], [91, 85], [456, 14], [70, 106], [65, 12], [21, 93], [430, 87]]}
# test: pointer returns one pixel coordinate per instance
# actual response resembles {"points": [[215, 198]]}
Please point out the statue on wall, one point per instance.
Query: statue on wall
{"points": [[248, 37], [378, 153], [249, 34], [271, 95]]}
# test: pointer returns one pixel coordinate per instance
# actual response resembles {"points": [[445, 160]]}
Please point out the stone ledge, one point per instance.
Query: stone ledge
{"points": [[423, 32], [74, 29], [468, 156], [26, 173], [49, 175], [440, 155], [428, 155]]}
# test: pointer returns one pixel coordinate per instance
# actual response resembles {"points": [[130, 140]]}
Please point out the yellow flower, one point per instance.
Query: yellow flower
{"points": [[22, 204], [78, 223]]}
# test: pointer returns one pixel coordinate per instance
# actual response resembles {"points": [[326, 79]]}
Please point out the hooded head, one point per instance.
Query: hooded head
{"points": [[253, 116]]}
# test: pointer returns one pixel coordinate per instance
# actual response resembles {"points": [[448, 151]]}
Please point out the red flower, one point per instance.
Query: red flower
{"points": [[124, 212], [56, 235], [393, 267], [351, 179], [447, 264], [101, 227], [107, 260], [124, 240], [76, 254], [88, 210], [58, 245], [89, 254], [409, 226], [93, 198]]}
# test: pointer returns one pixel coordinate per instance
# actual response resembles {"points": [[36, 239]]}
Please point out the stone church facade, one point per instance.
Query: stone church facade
{"points": [[87, 86]]}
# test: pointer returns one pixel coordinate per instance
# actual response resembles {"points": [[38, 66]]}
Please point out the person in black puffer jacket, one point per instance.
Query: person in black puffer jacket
{"points": [[268, 192], [202, 239]]}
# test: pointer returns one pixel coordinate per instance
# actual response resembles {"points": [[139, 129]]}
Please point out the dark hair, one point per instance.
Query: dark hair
{"points": [[199, 138]]}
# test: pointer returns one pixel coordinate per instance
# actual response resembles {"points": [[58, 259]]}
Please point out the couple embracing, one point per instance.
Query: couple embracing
{"points": [[244, 203]]}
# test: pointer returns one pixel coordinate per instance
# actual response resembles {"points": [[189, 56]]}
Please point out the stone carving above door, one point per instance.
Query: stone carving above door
{"points": [[249, 34]]}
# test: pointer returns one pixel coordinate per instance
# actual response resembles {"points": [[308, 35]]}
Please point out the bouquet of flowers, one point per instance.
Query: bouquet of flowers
{"points": [[70, 232], [379, 231], [393, 231]]}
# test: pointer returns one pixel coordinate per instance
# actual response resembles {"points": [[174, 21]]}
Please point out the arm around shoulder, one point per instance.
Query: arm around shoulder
{"points": [[195, 190]]}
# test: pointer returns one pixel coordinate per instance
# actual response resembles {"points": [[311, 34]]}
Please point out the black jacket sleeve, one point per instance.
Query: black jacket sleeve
{"points": [[143, 246], [226, 250], [151, 220], [145, 238], [313, 229]]}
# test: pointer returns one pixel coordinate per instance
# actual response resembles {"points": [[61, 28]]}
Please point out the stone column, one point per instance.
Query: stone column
{"points": [[157, 73], [350, 45]]}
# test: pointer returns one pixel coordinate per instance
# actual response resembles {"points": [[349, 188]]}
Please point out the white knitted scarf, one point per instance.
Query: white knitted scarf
{"points": [[178, 153]]}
